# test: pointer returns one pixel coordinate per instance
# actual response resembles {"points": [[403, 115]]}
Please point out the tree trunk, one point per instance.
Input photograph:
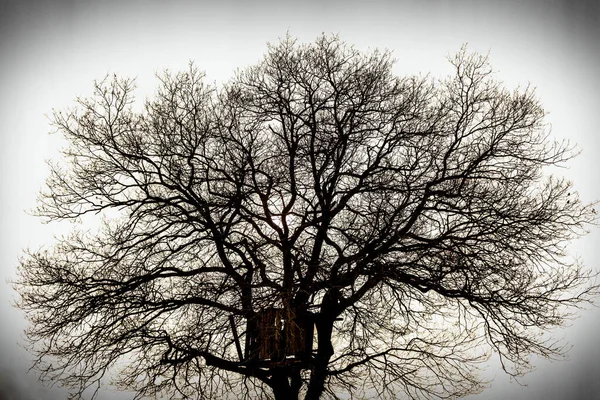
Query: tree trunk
{"points": [[325, 351], [286, 384], [286, 387], [284, 392]]}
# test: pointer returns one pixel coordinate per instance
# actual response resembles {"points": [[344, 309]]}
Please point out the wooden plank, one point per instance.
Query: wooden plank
{"points": [[236, 338]]}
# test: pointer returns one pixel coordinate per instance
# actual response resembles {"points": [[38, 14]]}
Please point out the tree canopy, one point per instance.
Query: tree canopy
{"points": [[412, 221]]}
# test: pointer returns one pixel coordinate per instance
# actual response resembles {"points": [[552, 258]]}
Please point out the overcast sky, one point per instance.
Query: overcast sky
{"points": [[50, 52]]}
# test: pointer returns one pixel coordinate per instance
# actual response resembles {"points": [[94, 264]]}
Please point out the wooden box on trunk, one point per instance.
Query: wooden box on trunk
{"points": [[279, 336]]}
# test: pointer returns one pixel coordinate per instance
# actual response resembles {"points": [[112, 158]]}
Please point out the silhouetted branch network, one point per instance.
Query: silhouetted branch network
{"points": [[413, 218]]}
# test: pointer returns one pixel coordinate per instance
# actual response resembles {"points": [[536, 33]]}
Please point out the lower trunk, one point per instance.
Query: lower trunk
{"points": [[286, 387], [285, 394], [317, 385]]}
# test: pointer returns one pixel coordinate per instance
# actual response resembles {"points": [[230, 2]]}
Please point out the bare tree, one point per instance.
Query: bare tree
{"points": [[318, 227]]}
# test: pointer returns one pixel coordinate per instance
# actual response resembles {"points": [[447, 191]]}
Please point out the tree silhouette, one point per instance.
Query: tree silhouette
{"points": [[408, 225]]}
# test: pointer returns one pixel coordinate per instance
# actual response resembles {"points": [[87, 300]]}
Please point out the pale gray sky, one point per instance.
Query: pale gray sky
{"points": [[51, 52]]}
